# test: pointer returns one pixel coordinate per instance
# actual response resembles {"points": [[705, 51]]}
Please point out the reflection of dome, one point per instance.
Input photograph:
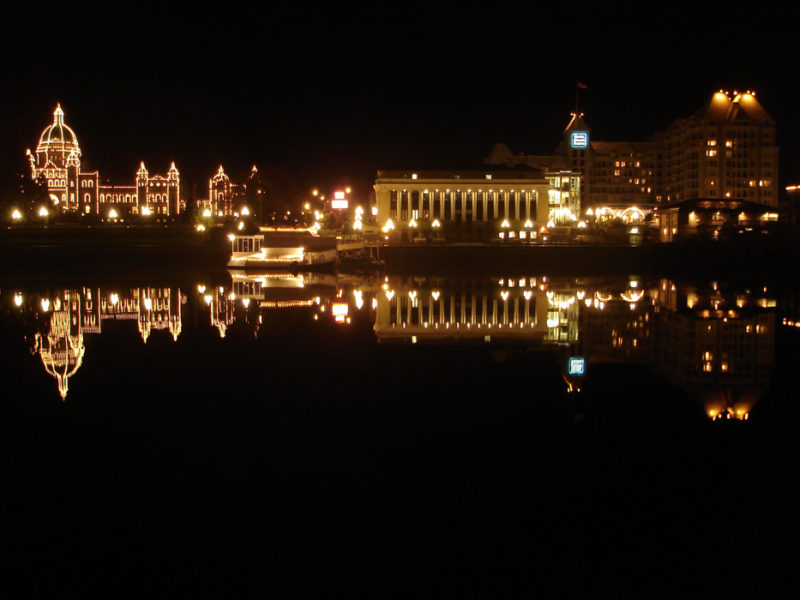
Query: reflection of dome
{"points": [[59, 137], [61, 350]]}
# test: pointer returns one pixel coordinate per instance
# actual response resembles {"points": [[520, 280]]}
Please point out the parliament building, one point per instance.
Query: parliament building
{"points": [[57, 160]]}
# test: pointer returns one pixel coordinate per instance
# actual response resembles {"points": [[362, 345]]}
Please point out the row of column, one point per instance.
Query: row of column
{"points": [[510, 205], [494, 311]]}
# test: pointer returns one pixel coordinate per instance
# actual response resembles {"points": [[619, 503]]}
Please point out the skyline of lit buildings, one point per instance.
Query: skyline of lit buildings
{"points": [[724, 152]]}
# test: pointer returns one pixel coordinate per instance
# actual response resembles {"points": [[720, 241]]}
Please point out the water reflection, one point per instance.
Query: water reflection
{"points": [[61, 319], [714, 340]]}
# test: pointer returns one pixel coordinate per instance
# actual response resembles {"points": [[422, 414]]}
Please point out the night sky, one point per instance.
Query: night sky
{"points": [[328, 95]]}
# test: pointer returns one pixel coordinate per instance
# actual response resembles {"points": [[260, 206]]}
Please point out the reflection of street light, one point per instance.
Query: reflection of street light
{"points": [[114, 299], [45, 304]]}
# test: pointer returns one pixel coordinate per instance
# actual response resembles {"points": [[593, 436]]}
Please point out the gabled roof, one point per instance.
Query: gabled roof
{"points": [[726, 107], [576, 123]]}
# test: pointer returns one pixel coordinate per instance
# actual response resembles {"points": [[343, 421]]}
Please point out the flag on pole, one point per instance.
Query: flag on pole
{"points": [[582, 86]]}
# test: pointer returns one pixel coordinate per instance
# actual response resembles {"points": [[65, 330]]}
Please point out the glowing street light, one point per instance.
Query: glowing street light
{"points": [[43, 212], [112, 214], [17, 299], [436, 224], [201, 228], [245, 211], [146, 211], [16, 215], [114, 298], [207, 213]]}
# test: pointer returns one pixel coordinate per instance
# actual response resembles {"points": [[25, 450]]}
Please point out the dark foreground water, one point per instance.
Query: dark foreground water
{"points": [[397, 435]]}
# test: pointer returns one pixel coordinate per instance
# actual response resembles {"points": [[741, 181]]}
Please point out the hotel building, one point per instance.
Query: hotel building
{"points": [[57, 161], [726, 151]]}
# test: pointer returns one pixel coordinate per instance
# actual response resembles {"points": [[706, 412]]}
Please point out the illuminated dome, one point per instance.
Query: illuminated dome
{"points": [[57, 141]]}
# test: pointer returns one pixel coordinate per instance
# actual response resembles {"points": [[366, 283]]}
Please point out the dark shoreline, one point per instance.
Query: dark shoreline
{"points": [[58, 250]]}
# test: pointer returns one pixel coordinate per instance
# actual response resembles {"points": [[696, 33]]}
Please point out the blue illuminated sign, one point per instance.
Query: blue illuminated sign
{"points": [[579, 140], [577, 365]]}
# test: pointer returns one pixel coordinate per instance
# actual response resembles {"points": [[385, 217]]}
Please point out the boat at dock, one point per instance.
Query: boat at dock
{"points": [[281, 248]]}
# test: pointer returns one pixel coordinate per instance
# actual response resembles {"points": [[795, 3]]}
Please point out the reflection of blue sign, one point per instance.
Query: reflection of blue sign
{"points": [[577, 365], [579, 139]]}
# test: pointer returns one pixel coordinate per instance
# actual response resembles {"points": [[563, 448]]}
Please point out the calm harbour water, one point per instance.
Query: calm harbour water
{"points": [[360, 425]]}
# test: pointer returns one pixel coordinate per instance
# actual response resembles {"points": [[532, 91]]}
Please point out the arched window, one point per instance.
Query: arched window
{"points": [[87, 198]]}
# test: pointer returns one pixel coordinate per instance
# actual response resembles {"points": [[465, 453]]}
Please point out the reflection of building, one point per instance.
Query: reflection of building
{"points": [[475, 198], [514, 309], [719, 345], [57, 160], [61, 348], [617, 326], [76, 313], [726, 150], [254, 293]]}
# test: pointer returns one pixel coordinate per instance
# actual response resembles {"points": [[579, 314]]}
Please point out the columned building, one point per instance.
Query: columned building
{"points": [[57, 160], [486, 197]]}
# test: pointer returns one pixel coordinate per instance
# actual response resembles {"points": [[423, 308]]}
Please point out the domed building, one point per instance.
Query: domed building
{"points": [[58, 159]]}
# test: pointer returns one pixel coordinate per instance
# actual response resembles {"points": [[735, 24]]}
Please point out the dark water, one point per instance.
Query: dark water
{"points": [[397, 433]]}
